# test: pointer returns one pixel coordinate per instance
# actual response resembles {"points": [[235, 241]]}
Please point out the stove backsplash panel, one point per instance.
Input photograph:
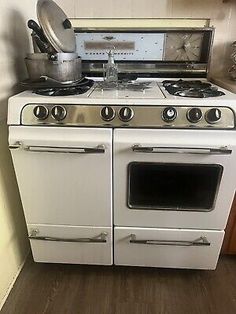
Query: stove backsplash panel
{"points": [[162, 52]]}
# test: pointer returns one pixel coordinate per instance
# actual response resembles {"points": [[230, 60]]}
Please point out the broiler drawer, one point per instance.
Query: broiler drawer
{"points": [[174, 248], [71, 244]]}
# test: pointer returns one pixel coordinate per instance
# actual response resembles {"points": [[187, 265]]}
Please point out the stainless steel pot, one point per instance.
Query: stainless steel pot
{"points": [[60, 56], [61, 66], [232, 70]]}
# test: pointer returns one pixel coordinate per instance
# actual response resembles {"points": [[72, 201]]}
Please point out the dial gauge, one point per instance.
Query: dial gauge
{"points": [[183, 46]]}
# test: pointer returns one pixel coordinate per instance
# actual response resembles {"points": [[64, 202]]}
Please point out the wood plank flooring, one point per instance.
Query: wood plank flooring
{"points": [[73, 289]]}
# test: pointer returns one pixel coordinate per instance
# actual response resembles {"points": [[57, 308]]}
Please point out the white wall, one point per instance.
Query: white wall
{"points": [[222, 15], [14, 43]]}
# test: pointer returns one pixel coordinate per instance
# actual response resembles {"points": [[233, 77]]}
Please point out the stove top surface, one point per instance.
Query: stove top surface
{"points": [[139, 103], [140, 91], [130, 89]]}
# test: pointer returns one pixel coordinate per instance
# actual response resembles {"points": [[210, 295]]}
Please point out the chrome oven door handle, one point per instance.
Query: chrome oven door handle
{"points": [[202, 241], [181, 150], [16, 145], [100, 149], [101, 238]]}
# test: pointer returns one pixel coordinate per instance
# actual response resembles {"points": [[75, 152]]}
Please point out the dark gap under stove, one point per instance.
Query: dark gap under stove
{"points": [[194, 89]]}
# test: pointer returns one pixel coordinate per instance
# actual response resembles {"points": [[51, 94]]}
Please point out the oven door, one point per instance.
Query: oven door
{"points": [[64, 174], [173, 178]]}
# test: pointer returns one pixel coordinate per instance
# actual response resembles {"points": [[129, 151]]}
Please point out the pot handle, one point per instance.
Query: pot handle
{"points": [[67, 24], [37, 29]]}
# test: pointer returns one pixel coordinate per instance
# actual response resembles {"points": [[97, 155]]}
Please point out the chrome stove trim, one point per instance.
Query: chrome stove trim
{"points": [[144, 117]]}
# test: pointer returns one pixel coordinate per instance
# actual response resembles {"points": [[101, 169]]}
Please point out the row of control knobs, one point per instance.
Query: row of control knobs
{"points": [[169, 114], [57, 112], [126, 114], [194, 115]]}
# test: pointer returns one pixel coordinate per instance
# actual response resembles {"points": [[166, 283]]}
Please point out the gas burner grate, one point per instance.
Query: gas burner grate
{"points": [[193, 89], [81, 88]]}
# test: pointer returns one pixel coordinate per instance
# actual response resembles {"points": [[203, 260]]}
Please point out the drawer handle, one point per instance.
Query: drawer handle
{"points": [[100, 149], [181, 150], [202, 241], [101, 238]]}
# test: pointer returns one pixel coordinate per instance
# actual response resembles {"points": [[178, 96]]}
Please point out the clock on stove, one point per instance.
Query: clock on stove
{"points": [[183, 46]]}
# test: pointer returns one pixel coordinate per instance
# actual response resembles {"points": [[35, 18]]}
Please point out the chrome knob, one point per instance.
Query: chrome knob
{"points": [[126, 114], [169, 114], [194, 115], [107, 113], [58, 113], [213, 115], [40, 112]]}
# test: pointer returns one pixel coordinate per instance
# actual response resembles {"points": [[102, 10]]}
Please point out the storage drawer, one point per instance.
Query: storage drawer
{"points": [[175, 248], [71, 244]]}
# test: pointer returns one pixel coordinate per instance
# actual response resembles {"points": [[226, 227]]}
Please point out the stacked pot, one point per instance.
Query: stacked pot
{"points": [[232, 70], [54, 37]]}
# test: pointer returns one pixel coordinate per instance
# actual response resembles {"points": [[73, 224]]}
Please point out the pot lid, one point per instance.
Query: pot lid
{"points": [[56, 26]]}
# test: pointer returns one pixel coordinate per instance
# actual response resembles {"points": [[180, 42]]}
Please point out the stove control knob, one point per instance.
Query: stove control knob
{"points": [[213, 115], [40, 112], [107, 113], [126, 114], [169, 114], [58, 113], [194, 115]]}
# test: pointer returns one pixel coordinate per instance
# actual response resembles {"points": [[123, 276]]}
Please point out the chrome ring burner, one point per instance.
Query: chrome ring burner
{"points": [[81, 88], [193, 89]]}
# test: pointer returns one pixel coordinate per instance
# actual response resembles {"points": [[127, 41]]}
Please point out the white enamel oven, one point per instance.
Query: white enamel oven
{"points": [[173, 191], [65, 181]]}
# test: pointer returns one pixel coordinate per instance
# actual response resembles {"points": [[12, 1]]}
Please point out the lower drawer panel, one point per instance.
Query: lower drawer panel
{"points": [[174, 248], [71, 244]]}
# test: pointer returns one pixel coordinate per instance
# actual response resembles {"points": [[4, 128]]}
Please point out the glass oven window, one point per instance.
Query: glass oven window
{"points": [[173, 186]]}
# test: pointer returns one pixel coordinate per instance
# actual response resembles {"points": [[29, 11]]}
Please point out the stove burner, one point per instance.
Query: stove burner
{"points": [[194, 89], [82, 87]]}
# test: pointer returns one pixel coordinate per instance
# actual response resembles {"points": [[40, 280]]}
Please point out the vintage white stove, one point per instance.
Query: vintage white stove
{"points": [[139, 173]]}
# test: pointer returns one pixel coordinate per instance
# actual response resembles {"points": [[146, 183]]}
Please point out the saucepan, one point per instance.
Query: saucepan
{"points": [[60, 66], [55, 38]]}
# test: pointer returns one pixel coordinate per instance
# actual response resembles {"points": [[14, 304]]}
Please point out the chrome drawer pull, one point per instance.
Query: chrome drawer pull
{"points": [[101, 238], [16, 145], [182, 150], [100, 149], [202, 241]]}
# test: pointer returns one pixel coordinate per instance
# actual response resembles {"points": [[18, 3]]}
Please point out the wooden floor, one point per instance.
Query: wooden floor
{"points": [[73, 289]]}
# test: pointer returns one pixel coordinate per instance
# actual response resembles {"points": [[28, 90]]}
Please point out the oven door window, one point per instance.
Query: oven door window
{"points": [[170, 186]]}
